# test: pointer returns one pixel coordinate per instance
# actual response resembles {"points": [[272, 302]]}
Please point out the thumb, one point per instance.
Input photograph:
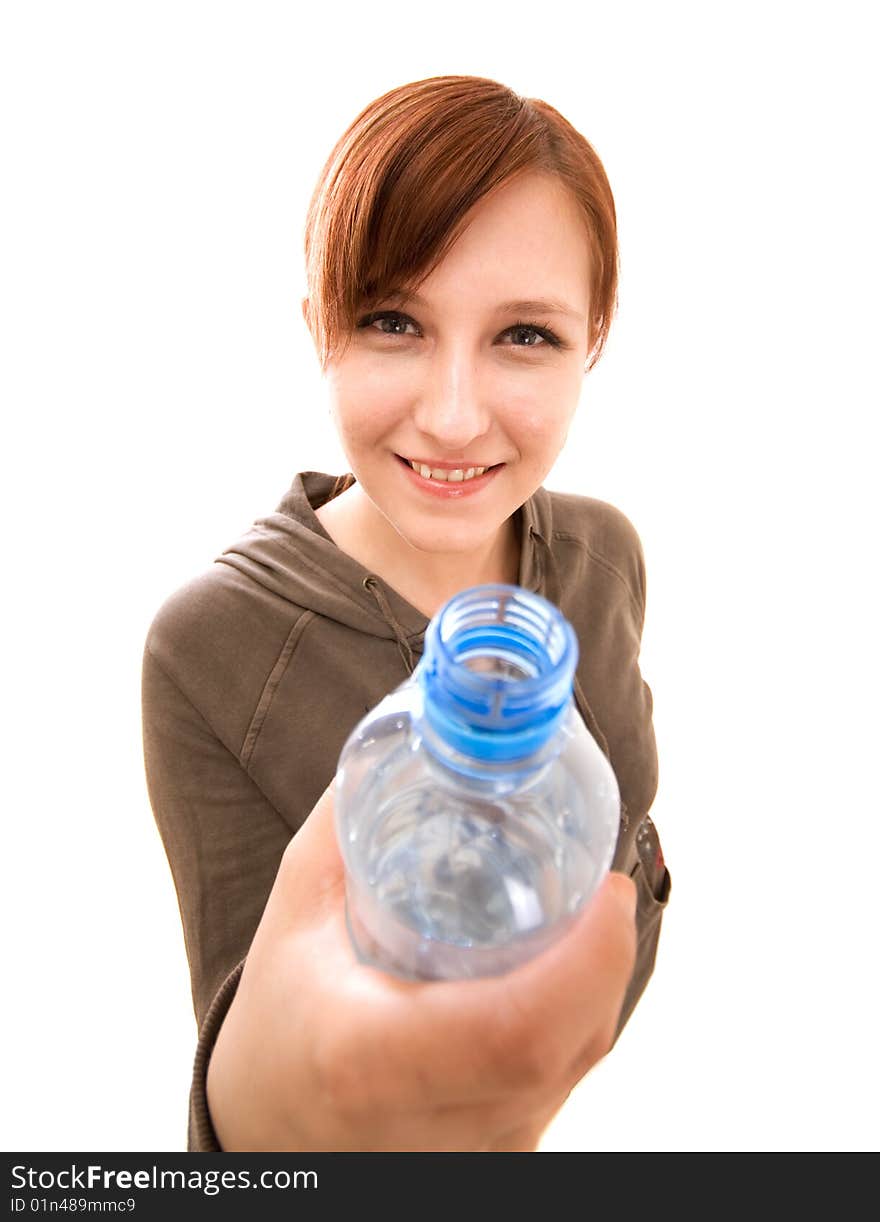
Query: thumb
{"points": [[309, 886], [311, 874]]}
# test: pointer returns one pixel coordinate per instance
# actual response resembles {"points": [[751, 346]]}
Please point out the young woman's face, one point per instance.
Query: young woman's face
{"points": [[463, 377]]}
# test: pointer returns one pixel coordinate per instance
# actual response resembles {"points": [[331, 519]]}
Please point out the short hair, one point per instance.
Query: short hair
{"points": [[395, 192]]}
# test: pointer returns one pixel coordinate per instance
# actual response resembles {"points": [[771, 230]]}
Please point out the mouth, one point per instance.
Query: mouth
{"points": [[448, 482], [446, 472]]}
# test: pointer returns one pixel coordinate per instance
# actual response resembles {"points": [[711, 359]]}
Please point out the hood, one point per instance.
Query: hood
{"points": [[290, 553]]}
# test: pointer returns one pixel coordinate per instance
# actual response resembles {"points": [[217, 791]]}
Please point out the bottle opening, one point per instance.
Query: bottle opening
{"points": [[497, 671], [496, 667]]}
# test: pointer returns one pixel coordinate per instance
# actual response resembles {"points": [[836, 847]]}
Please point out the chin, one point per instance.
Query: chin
{"points": [[434, 543]]}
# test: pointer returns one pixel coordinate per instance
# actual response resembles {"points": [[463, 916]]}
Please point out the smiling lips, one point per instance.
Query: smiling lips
{"points": [[448, 482], [450, 474], [445, 471]]}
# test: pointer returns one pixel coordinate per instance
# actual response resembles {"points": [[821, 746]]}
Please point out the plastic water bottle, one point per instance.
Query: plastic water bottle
{"points": [[474, 811]]}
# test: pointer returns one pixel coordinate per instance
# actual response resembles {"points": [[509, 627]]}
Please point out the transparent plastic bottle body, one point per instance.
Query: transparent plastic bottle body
{"points": [[474, 811]]}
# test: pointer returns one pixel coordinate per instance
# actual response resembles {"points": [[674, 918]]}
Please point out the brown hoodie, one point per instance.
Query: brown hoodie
{"points": [[256, 671]]}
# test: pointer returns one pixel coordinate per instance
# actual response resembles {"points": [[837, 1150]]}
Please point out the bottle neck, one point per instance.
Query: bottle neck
{"points": [[496, 675]]}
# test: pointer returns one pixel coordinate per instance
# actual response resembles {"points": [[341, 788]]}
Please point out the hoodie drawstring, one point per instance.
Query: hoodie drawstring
{"points": [[403, 645]]}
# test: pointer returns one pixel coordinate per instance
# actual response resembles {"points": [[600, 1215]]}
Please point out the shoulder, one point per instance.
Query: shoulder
{"points": [[602, 536], [218, 636], [190, 618]]}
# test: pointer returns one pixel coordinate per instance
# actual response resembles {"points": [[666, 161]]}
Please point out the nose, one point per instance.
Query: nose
{"points": [[451, 410]]}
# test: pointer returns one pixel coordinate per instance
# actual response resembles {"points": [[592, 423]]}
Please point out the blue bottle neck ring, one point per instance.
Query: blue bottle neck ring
{"points": [[497, 672]]}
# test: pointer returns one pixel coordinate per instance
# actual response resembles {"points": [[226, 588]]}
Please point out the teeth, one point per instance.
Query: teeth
{"points": [[454, 476]]}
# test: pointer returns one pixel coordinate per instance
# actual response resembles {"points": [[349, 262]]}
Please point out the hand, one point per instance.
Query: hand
{"points": [[321, 1052]]}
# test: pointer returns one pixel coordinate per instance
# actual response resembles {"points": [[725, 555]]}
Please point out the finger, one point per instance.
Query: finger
{"points": [[470, 1041], [599, 1034], [567, 999], [561, 1007], [311, 876]]}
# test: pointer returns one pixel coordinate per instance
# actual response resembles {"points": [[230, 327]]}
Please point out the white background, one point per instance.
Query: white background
{"points": [[159, 392]]}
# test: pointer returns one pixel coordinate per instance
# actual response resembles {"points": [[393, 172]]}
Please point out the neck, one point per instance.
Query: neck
{"points": [[425, 580]]}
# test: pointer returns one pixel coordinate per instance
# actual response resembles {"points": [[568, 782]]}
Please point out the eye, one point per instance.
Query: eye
{"points": [[533, 331], [390, 316], [544, 333]]}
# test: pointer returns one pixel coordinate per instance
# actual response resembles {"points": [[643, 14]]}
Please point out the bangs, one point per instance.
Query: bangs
{"points": [[395, 194]]}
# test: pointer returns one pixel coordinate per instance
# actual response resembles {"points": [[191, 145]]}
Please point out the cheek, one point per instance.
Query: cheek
{"points": [[364, 408], [541, 426], [541, 406]]}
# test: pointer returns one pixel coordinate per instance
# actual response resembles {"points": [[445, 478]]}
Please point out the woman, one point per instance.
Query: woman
{"points": [[462, 273]]}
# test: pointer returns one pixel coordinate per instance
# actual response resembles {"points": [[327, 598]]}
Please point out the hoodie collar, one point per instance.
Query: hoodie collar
{"points": [[290, 553]]}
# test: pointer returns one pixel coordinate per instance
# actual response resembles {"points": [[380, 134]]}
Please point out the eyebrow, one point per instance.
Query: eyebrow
{"points": [[537, 305]]}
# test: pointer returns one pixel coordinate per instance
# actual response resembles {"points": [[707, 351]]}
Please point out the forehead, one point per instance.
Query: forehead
{"points": [[527, 240]]}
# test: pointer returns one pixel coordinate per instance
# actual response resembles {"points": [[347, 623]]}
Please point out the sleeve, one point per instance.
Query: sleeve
{"points": [[224, 841], [642, 855], [201, 1137]]}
